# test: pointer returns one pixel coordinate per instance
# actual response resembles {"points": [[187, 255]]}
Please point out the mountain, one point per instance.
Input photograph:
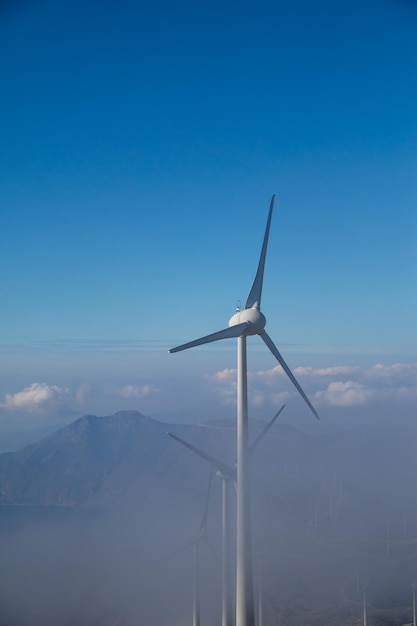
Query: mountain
{"points": [[99, 461], [91, 460], [102, 461]]}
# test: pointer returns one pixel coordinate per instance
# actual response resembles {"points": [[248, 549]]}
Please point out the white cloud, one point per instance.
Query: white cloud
{"points": [[261, 389], [136, 391], [225, 375], [335, 385], [35, 397], [396, 370], [396, 382], [336, 370], [224, 385], [268, 374], [347, 393]]}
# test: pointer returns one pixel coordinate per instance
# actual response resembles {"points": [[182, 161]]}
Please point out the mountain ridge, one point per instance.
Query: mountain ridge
{"points": [[96, 459]]}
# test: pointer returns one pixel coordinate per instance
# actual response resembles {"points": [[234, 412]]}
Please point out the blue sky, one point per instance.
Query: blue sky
{"points": [[140, 146]]}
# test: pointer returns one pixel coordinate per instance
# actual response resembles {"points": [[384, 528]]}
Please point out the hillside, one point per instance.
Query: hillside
{"points": [[93, 460]]}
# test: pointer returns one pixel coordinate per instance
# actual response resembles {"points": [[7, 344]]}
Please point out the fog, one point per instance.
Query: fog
{"points": [[94, 567], [332, 512]]}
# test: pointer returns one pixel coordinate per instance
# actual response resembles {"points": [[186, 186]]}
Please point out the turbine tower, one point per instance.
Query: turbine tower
{"points": [[246, 322]]}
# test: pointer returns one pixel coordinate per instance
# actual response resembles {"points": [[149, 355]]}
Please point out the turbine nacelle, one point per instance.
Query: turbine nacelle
{"points": [[252, 317], [199, 534], [231, 475]]}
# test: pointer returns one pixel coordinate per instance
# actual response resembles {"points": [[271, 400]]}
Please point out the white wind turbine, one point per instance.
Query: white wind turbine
{"points": [[227, 474], [199, 536], [246, 322]]}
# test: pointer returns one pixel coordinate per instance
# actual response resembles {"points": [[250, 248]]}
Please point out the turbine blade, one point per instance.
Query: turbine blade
{"points": [[226, 333], [254, 297], [212, 550], [183, 548], [226, 470], [270, 344], [262, 434]]}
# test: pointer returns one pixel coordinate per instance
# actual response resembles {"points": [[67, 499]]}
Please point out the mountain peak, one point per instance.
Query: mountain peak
{"points": [[71, 465], [118, 419]]}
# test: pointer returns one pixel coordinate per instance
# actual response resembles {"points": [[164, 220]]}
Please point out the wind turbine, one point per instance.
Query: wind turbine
{"points": [[260, 592], [365, 602], [198, 537], [246, 322], [227, 474]]}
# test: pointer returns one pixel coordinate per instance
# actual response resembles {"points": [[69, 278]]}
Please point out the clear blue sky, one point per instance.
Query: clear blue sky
{"points": [[140, 145]]}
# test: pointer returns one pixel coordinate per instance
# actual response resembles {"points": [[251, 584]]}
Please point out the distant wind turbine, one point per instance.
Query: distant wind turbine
{"points": [[198, 537], [246, 322], [364, 602], [227, 474], [260, 592]]}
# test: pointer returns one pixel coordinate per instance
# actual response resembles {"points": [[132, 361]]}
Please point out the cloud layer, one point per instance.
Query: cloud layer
{"points": [[44, 399], [338, 385], [334, 386]]}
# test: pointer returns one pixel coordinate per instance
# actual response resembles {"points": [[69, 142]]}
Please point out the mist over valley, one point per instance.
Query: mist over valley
{"points": [[94, 517]]}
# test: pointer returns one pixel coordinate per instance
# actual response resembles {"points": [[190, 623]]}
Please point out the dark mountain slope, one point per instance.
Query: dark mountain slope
{"points": [[95, 460], [71, 466]]}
